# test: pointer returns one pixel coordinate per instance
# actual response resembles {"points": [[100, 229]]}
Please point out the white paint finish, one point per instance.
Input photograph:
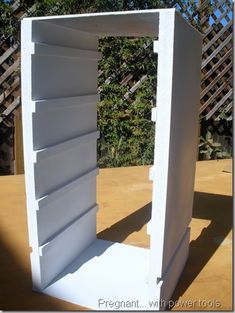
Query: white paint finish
{"points": [[107, 270], [66, 145], [115, 25], [52, 50], [48, 33], [175, 268], [78, 115], [59, 73], [82, 232], [156, 46], [184, 134], [176, 137], [45, 106], [53, 215], [127, 23], [154, 115], [128, 281], [27, 105], [67, 76], [71, 71], [47, 175], [59, 169], [161, 151], [152, 173], [64, 189]]}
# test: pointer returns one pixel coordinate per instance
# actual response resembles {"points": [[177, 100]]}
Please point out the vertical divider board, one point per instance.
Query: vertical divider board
{"points": [[179, 63], [59, 94]]}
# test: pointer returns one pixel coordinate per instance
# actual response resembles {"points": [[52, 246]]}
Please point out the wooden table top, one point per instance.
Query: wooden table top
{"points": [[124, 197]]}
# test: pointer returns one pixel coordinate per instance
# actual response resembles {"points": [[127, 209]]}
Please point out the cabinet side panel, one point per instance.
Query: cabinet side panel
{"points": [[178, 91], [183, 135], [59, 92]]}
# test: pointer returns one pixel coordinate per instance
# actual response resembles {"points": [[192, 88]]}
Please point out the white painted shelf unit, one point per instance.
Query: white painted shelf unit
{"points": [[59, 96]]}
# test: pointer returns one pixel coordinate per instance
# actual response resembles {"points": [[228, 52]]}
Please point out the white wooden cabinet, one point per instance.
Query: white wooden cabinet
{"points": [[59, 96]]}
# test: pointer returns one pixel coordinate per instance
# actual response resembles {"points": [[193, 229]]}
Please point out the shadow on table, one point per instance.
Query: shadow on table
{"points": [[119, 231], [16, 286], [213, 207], [217, 209]]}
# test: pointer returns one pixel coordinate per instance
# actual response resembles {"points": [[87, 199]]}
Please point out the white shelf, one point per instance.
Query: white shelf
{"points": [[115, 270]]}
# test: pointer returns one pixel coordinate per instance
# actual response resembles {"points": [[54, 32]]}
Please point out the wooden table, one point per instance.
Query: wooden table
{"points": [[124, 196]]}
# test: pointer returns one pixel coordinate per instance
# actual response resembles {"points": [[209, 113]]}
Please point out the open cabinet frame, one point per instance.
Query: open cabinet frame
{"points": [[59, 96]]}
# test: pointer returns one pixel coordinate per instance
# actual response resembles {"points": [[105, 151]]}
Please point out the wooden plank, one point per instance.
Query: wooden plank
{"points": [[79, 114], [49, 33], [54, 196], [66, 52], [51, 151], [177, 104], [51, 172], [81, 74], [46, 106], [52, 221], [170, 279], [52, 265]]}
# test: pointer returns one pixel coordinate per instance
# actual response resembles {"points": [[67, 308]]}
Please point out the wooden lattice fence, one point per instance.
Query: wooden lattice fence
{"points": [[9, 102], [217, 80], [10, 110], [213, 18]]}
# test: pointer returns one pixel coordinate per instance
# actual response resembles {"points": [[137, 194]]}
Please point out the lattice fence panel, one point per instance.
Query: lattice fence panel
{"points": [[9, 102], [214, 19], [9, 94], [216, 84]]}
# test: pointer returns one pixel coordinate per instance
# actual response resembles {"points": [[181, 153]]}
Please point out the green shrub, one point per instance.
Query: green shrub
{"points": [[124, 117]]}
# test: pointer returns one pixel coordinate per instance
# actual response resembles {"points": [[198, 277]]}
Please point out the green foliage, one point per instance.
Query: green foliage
{"points": [[211, 150], [7, 23], [53, 7], [124, 118], [9, 19]]}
